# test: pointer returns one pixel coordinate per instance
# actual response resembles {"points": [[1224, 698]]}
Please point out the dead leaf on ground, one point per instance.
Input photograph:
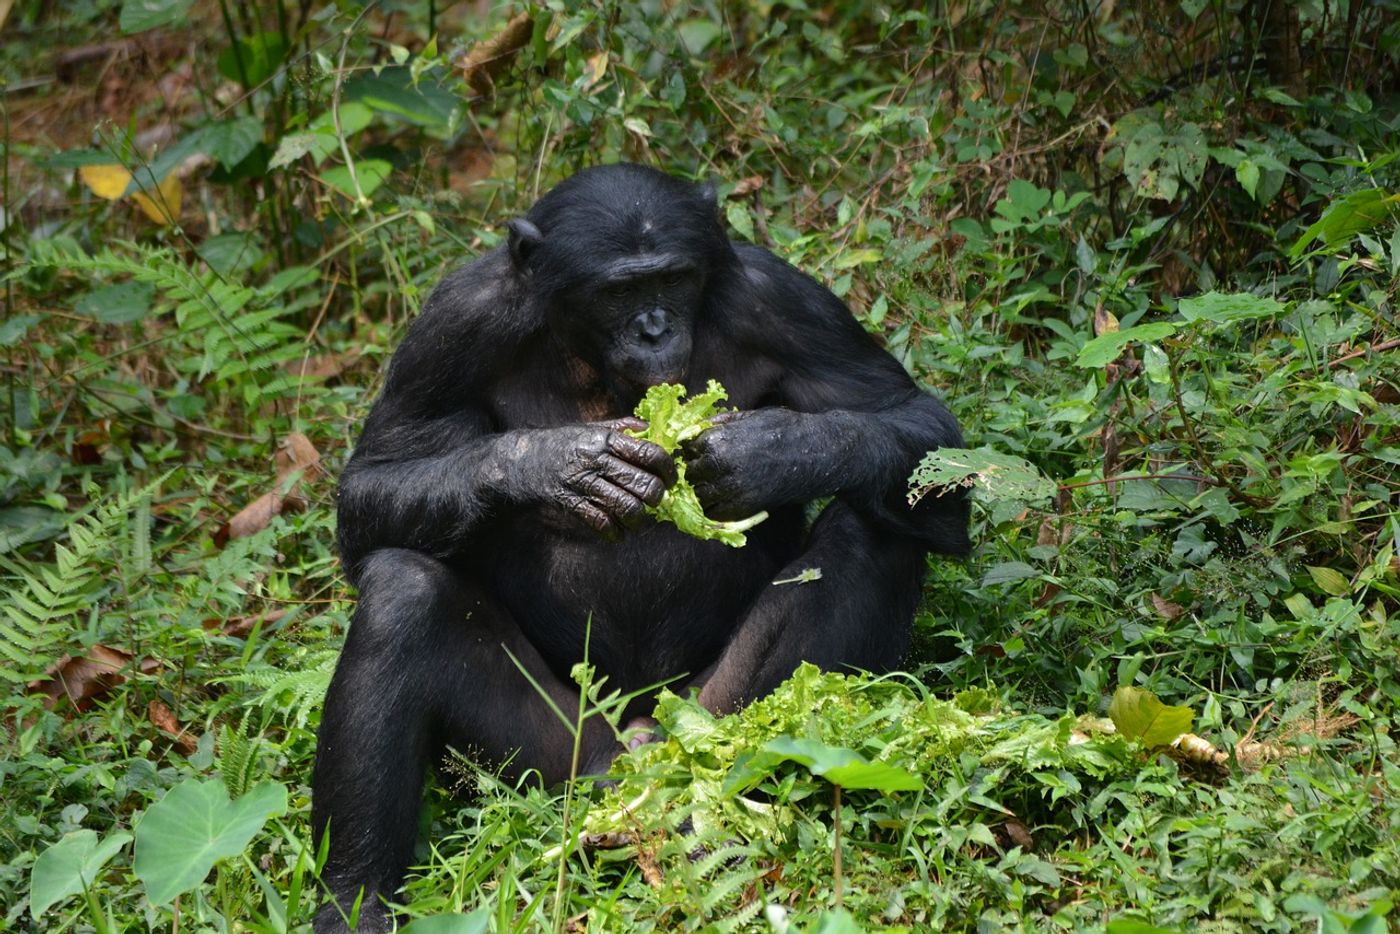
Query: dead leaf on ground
{"points": [[164, 719], [746, 186], [1165, 608], [88, 677], [297, 460], [1104, 320], [488, 58], [240, 626], [323, 366]]}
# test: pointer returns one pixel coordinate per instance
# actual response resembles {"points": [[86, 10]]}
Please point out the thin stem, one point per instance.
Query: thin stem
{"points": [[836, 854]]}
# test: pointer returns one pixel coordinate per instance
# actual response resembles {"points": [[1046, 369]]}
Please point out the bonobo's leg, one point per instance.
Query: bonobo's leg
{"points": [[858, 615], [423, 666]]}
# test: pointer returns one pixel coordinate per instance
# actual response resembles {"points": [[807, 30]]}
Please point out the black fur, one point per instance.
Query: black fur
{"points": [[494, 502]]}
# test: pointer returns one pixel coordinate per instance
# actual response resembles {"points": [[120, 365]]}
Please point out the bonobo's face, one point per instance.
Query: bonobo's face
{"points": [[644, 317], [621, 258], [633, 322]]}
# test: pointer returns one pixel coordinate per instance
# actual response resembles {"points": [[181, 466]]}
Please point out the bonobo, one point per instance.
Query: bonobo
{"points": [[495, 504]]}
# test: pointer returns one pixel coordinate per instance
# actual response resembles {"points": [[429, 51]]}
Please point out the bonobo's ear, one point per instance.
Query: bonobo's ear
{"points": [[523, 238], [707, 194]]}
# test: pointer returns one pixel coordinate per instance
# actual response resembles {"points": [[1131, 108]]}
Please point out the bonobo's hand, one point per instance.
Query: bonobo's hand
{"points": [[750, 461], [596, 473]]}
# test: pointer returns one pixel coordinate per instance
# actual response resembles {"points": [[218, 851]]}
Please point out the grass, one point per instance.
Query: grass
{"points": [[1170, 294]]}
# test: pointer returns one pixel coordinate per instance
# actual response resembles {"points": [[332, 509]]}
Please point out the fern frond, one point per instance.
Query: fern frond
{"points": [[45, 600]]}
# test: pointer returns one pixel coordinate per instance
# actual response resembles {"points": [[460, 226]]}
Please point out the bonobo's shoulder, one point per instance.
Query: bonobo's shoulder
{"points": [[471, 322], [780, 288], [762, 267], [482, 298]]}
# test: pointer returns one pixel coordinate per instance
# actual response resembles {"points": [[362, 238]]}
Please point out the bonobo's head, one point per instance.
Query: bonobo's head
{"points": [[620, 257]]}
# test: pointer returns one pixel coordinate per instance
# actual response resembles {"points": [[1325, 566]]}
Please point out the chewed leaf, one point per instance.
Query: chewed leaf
{"points": [[670, 422], [1138, 714], [993, 475]]}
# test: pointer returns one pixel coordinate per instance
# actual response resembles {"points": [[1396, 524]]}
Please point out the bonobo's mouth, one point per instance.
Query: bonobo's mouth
{"points": [[628, 388]]}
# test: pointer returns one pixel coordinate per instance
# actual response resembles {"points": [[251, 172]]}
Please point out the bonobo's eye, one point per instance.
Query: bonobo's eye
{"points": [[674, 280], [615, 291]]}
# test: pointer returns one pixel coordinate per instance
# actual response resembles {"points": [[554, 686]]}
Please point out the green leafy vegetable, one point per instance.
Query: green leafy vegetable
{"points": [[670, 422]]}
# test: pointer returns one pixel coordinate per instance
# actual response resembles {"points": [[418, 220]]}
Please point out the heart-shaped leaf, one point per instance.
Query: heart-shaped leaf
{"points": [[195, 825], [69, 866]]}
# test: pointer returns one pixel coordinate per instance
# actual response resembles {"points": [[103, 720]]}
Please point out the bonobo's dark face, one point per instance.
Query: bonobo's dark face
{"points": [[635, 323], [619, 258]]}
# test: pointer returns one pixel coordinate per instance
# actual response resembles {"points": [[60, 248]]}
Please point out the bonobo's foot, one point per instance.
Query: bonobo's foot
{"points": [[645, 732], [638, 732], [374, 918]]}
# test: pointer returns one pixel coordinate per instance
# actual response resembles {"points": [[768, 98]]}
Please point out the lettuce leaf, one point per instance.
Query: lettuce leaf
{"points": [[670, 422]]}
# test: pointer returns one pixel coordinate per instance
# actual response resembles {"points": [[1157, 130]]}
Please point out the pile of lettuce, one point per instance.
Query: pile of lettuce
{"points": [[669, 423]]}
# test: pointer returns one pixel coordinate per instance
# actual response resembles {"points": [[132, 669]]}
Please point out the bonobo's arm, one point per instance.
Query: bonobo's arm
{"points": [[850, 422], [430, 465]]}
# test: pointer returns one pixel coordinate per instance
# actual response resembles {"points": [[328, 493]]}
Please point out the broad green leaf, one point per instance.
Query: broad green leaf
{"points": [[1330, 582], [992, 475], [739, 218], [70, 866], [1134, 926], [1358, 212], [182, 836], [841, 766], [1226, 308], [1247, 174], [140, 15], [1107, 347], [370, 173], [839, 921], [14, 330], [230, 141], [478, 922], [1008, 571], [259, 56], [1138, 714], [394, 92], [121, 303], [697, 34]]}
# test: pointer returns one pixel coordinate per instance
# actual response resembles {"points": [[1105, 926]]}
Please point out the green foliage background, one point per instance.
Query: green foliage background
{"points": [[1150, 248]]}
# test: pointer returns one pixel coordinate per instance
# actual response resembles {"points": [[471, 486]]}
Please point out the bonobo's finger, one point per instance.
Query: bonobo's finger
{"points": [[627, 423], [645, 486], [594, 517], [724, 418], [612, 499], [650, 457]]}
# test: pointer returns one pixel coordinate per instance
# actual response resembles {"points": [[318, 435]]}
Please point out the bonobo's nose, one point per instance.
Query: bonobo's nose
{"points": [[653, 325]]}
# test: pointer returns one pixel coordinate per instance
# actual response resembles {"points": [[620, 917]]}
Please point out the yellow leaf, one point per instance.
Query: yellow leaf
{"points": [[162, 205], [594, 68], [106, 181]]}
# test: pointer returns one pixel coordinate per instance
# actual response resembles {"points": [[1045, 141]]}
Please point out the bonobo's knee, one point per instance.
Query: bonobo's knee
{"points": [[404, 596]]}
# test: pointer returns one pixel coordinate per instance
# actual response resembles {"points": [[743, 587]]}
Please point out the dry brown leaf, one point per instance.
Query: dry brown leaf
{"points": [[85, 678], [487, 59], [1017, 834], [295, 454], [240, 626], [1050, 592], [325, 366], [1104, 321], [1165, 608], [164, 719], [747, 186]]}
